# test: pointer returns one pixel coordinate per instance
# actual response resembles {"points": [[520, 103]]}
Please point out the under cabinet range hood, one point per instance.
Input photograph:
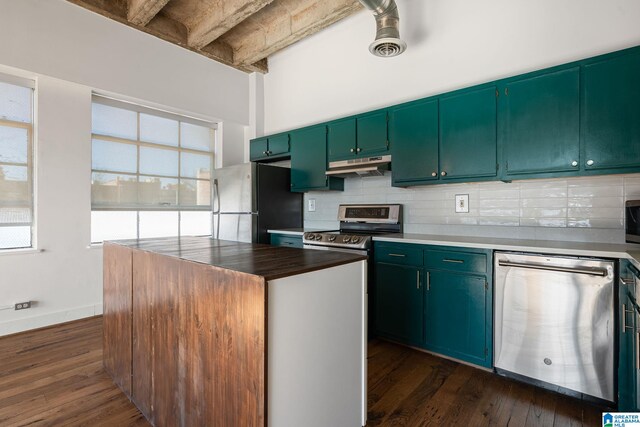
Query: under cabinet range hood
{"points": [[366, 166]]}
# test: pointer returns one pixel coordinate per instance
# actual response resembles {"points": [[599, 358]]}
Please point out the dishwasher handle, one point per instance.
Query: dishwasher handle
{"points": [[588, 271]]}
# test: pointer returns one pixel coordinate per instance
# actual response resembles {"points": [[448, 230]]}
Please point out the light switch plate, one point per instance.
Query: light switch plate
{"points": [[462, 203], [312, 205]]}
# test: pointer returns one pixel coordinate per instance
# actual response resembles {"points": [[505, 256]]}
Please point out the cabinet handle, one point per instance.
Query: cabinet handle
{"points": [[398, 255], [626, 281], [443, 173], [590, 162], [352, 150], [456, 261], [269, 153], [638, 351], [418, 279], [264, 152], [434, 173], [624, 319], [574, 163], [428, 280], [358, 150]]}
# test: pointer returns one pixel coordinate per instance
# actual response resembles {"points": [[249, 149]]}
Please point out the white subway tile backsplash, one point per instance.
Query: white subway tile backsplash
{"points": [[580, 208]]}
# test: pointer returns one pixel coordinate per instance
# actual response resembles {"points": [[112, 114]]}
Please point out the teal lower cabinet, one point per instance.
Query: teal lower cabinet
{"points": [[436, 298], [628, 366], [399, 310], [286, 240]]}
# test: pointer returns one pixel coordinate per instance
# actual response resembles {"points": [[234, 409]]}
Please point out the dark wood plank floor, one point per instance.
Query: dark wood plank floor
{"points": [[54, 377]]}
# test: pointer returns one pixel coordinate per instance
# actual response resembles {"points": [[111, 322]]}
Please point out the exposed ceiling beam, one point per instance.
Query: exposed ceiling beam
{"points": [[222, 16], [140, 12], [274, 32]]}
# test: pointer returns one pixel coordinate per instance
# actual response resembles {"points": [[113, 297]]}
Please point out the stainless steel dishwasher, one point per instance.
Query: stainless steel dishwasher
{"points": [[554, 321]]}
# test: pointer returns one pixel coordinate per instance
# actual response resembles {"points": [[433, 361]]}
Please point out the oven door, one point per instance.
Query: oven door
{"points": [[332, 248], [632, 221]]}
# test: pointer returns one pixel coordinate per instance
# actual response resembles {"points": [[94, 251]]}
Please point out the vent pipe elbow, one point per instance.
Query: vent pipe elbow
{"points": [[387, 42]]}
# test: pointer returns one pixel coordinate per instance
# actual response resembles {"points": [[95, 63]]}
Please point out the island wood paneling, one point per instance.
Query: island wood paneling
{"points": [[117, 291]]}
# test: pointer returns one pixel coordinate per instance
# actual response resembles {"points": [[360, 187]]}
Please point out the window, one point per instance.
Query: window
{"points": [[16, 163], [151, 173]]}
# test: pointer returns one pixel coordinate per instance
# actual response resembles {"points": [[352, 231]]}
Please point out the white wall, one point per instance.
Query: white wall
{"points": [[451, 44], [71, 52]]}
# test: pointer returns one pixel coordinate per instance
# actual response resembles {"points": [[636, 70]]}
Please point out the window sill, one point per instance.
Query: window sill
{"points": [[23, 251]]}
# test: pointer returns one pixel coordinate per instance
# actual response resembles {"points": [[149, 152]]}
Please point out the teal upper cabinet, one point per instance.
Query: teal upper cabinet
{"points": [[309, 161], [342, 139], [611, 113], [372, 134], [361, 136], [540, 123], [413, 134], [468, 136], [275, 147]]}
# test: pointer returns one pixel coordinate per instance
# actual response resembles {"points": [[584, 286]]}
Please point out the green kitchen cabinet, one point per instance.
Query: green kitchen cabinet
{"points": [[274, 147], [309, 161], [468, 135], [355, 137], [628, 369], [456, 311], [399, 310], [539, 122], [413, 135], [610, 122], [292, 241]]}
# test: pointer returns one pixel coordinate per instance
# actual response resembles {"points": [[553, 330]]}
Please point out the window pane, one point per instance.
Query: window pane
{"points": [[15, 103], [195, 223], [14, 143], [158, 130], [14, 186], [196, 137], [113, 156], [195, 166], [113, 121], [107, 225], [195, 192], [158, 224], [15, 215], [15, 237], [156, 161], [158, 192], [112, 190]]}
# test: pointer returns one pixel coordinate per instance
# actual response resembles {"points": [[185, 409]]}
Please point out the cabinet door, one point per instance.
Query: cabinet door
{"points": [[627, 374], [279, 144], [611, 113], [399, 302], [413, 135], [455, 322], [468, 136], [342, 139], [540, 119], [258, 148], [309, 158], [372, 134]]}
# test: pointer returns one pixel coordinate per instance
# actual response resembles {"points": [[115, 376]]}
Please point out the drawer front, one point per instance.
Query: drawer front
{"points": [[286, 240], [399, 254], [455, 261]]}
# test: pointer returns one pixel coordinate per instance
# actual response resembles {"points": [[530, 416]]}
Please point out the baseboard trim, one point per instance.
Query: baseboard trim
{"points": [[43, 321]]}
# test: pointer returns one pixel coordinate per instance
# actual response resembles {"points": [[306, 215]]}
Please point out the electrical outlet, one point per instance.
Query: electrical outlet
{"points": [[462, 203], [22, 305], [312, 205]]}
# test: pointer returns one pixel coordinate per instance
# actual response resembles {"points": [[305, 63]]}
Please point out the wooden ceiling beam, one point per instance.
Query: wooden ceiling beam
{"points": [[223, 16], [140, 12], [306, 17]]}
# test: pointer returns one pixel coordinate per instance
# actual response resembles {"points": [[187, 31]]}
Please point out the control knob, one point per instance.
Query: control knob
{"points": [[331, 238], [355, 239], [346, 239]]}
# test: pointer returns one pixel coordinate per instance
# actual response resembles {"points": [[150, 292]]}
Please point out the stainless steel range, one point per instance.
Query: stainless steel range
{"points": [[358, 223]]}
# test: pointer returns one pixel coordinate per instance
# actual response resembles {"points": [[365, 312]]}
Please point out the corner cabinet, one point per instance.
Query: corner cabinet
{"points": [[309, 161], [270, 148], [437, 298], [361, 136]]}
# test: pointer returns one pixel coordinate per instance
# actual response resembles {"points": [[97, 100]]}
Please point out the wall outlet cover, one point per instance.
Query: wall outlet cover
{"points": [[312, 205], [462, 203]]}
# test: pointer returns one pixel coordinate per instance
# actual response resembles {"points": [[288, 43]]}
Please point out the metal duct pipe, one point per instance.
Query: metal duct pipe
{"points": [[387, 42]]}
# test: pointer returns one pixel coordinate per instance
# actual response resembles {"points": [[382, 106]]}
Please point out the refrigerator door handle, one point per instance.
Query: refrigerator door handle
{"points": [[216, 196], [237, 213]]}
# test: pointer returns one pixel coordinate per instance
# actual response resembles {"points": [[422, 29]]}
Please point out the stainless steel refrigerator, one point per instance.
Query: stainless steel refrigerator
{"points": [[250, 198]]}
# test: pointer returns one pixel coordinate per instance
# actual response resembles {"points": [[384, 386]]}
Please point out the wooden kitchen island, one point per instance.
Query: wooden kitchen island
{"points": [[205, 332]]}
